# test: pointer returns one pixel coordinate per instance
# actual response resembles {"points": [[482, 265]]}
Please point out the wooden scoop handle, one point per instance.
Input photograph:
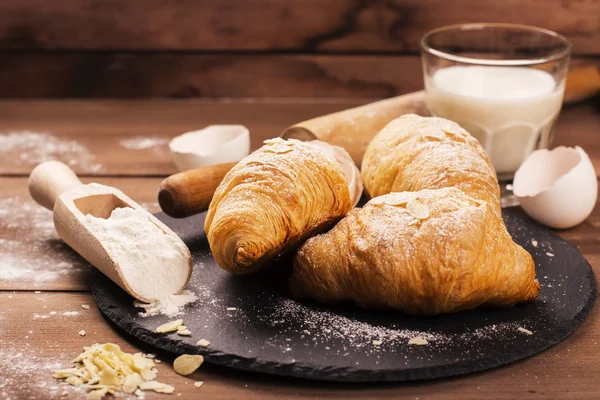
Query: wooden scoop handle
{"points": [[49, 180], [190, 192]]}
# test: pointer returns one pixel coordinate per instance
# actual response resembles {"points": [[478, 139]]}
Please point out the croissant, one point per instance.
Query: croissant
{"points": [[413, 153], [274, 199], [426, 252]]}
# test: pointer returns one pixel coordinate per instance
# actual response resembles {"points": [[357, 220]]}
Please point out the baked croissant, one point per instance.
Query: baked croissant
{"points": [[426, 252], [274, 199], [413, 153]]}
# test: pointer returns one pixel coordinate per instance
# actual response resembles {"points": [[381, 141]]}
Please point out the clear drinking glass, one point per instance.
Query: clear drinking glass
{"points": [[503, 83]]}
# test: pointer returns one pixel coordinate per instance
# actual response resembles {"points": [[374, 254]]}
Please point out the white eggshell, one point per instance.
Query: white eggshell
{"points": [[557, 188], [215, 144]]}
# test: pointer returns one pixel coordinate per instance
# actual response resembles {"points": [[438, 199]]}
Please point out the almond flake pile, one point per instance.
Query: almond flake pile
{"points": [[104, 368]]}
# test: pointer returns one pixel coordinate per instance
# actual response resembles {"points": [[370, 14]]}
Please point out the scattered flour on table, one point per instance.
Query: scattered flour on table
{"points": [[171, 305], [32, 148], [154, 264], [30, 247], [26, 374], [141, 143]]}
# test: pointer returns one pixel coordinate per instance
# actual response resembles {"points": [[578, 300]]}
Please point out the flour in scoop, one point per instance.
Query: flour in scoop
{"points": [[153, 263]]}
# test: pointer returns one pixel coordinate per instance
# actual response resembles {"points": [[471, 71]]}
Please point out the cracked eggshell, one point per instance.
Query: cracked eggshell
{"points": [[557, 188], [215, 144], [353, 177]]}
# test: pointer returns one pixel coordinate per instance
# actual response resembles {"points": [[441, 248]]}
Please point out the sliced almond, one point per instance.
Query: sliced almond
{"points": [[434, 134], [170, 326], [417, 209], [184, 332], [132, 382], [278, 146], [187, 364], [167, 389], [85, 306], [418, 341], [203, 343], [152, 385], [525, 331], [198, 384], [97, 394]]}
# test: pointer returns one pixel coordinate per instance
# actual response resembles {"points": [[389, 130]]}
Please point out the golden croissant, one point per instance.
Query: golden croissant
{"points": [[426, 252], [413, 153], [272, 200]]}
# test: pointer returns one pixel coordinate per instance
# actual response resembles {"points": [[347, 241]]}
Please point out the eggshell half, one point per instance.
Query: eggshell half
{"points": [[215, 144], [557, 188]]}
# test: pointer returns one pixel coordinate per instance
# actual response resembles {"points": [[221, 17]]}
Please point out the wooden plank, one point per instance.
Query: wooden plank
{"points": [[177, 75], [130, 137], [118, 75], [34, 341], [265, 25], [32, 256]]}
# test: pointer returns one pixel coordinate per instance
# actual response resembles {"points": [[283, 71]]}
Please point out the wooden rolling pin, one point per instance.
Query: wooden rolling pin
{"points": [[583, 82], [190, 192], [55, 186]]}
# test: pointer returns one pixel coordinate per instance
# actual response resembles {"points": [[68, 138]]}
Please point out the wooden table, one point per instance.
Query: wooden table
{"points": [[123, 143]]}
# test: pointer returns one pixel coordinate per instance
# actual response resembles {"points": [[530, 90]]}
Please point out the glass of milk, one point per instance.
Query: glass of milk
{"points": [[503, 83]]}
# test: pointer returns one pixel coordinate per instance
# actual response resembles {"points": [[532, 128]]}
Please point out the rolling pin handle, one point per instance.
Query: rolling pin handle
{"points": [[190, 192], [49, 180]]}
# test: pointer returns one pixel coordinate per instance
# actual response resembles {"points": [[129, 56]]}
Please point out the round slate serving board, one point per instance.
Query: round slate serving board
{"points": [[254, 324]]}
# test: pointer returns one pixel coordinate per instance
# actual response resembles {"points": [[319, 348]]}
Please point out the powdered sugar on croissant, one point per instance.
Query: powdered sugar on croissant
{"points": [[427, 252], [272, 201]]}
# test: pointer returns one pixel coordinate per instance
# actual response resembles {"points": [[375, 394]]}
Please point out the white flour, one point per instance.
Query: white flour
{"points": [[154, 264], [30, 247], [171, 305], [141, 143], [31, 148]]}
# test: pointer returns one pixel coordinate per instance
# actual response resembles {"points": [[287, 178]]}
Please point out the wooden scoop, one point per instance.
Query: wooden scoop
{"points": [[55, 186]]}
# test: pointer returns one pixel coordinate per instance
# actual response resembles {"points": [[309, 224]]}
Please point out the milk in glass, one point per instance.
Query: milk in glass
{"points": [[510, 110]]}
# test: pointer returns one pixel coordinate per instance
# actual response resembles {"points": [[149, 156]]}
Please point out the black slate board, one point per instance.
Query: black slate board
{"points": [[271, 332]]}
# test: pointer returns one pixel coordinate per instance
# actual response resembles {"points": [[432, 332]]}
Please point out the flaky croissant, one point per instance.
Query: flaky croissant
{"points": [[413, 153], [426, 252], [272, 200]]}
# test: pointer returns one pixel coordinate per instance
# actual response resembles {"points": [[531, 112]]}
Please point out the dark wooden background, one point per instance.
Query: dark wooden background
{"points": [[247, 48]]}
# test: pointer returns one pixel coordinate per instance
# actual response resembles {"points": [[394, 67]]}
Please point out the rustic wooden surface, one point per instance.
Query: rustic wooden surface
{"points": [[274, 25], [126, 75], [34, 341], [258, 48]]}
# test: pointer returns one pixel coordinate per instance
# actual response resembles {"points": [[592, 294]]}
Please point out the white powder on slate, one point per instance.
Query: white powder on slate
{"points": [[31, 148], [154, 264], [171, 305], [321, 326], [141, 143]]}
